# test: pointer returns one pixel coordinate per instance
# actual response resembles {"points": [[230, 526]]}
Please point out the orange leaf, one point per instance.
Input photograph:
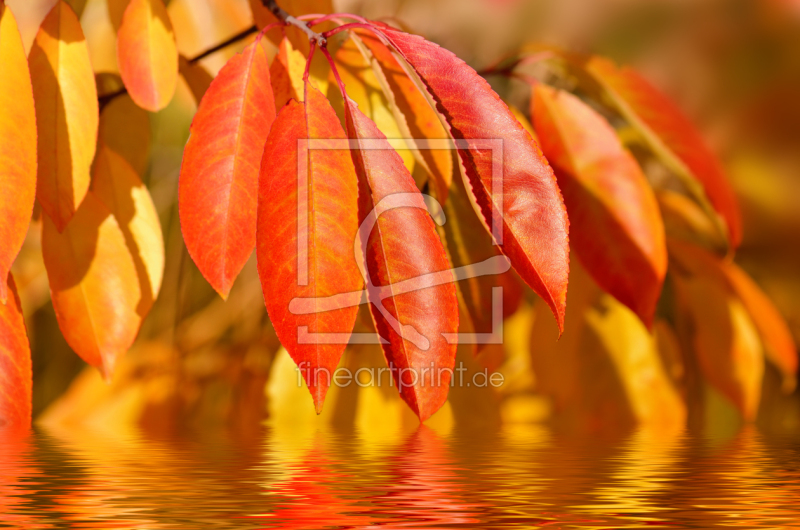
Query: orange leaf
{"points": [[364, 87], [617, 230], [411, 289], [219, 176], [724, 340], [125, 129], [118, 186], [469, 245], [671, 136], [15, 361], [147, 55], [417, 119], [18, 149], [286, 74], [308, 255], [775, 333], [66, 113], [534, 225], [93, 284]]}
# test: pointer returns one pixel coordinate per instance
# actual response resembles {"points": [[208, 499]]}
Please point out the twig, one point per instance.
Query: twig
{"points": [[222, 45], [288, 19]]}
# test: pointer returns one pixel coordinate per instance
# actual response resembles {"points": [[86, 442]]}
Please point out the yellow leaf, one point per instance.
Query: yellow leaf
{"points": [[66, 113]]}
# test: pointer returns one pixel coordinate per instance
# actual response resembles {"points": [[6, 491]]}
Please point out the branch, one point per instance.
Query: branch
{"points": [[288, 19]]}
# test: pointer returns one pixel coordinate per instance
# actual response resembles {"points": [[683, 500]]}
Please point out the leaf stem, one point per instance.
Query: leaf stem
{"points": [[288, 19], [335, 74]]}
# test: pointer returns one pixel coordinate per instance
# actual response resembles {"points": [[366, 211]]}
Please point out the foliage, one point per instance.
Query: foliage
{"points": [[656, 287]]}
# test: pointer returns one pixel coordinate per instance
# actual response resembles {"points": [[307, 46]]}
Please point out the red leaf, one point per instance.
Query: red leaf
{"points": [[18, 149], [534, 219], [218, 187], [671, 135], [66, 113], [328, 229], [617, 231], [93, 283], [418, 119], [412, 292], [147, 54], [15, 362]]}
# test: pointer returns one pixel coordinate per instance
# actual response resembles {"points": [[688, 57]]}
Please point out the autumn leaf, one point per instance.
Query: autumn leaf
{"points": [[617, 230], [286, 74], [121, 190], [147, 55], [307, 256], [534, 225], [15, 359], [125, 129], [772, 328], [364, 88], [415, 117], [93, 284], [724, 339], [411, 291], [218, 185], [671, 136], [18, 149], [468, 245], [779, 345], [66, 113]]}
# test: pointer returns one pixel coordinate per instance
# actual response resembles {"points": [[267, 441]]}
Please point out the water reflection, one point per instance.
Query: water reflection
{"points": [[518, 477]]}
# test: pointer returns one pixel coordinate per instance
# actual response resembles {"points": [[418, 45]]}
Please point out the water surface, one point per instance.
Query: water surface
{"points": [[517, 477]]}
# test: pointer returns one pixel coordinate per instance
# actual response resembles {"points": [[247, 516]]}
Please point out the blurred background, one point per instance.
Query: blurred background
{"points": [[732, 65]]}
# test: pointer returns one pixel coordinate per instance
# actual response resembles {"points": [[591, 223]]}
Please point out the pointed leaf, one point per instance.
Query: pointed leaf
{"points": [[147, 55], [724, 339], [15, 361], [18, 149], [468, 245], [118, 186], [671, 136], [219, 176], [125, 129], [417, 119], [534, 220], [779, 345], [66, 113], [363, 87], [617, 230], [775, 334], [308, 254], [286, 73], [411, 289], [93, 283]]}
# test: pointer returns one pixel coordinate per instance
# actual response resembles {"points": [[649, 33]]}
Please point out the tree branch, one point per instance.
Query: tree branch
{"points": [[288, 19]]}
